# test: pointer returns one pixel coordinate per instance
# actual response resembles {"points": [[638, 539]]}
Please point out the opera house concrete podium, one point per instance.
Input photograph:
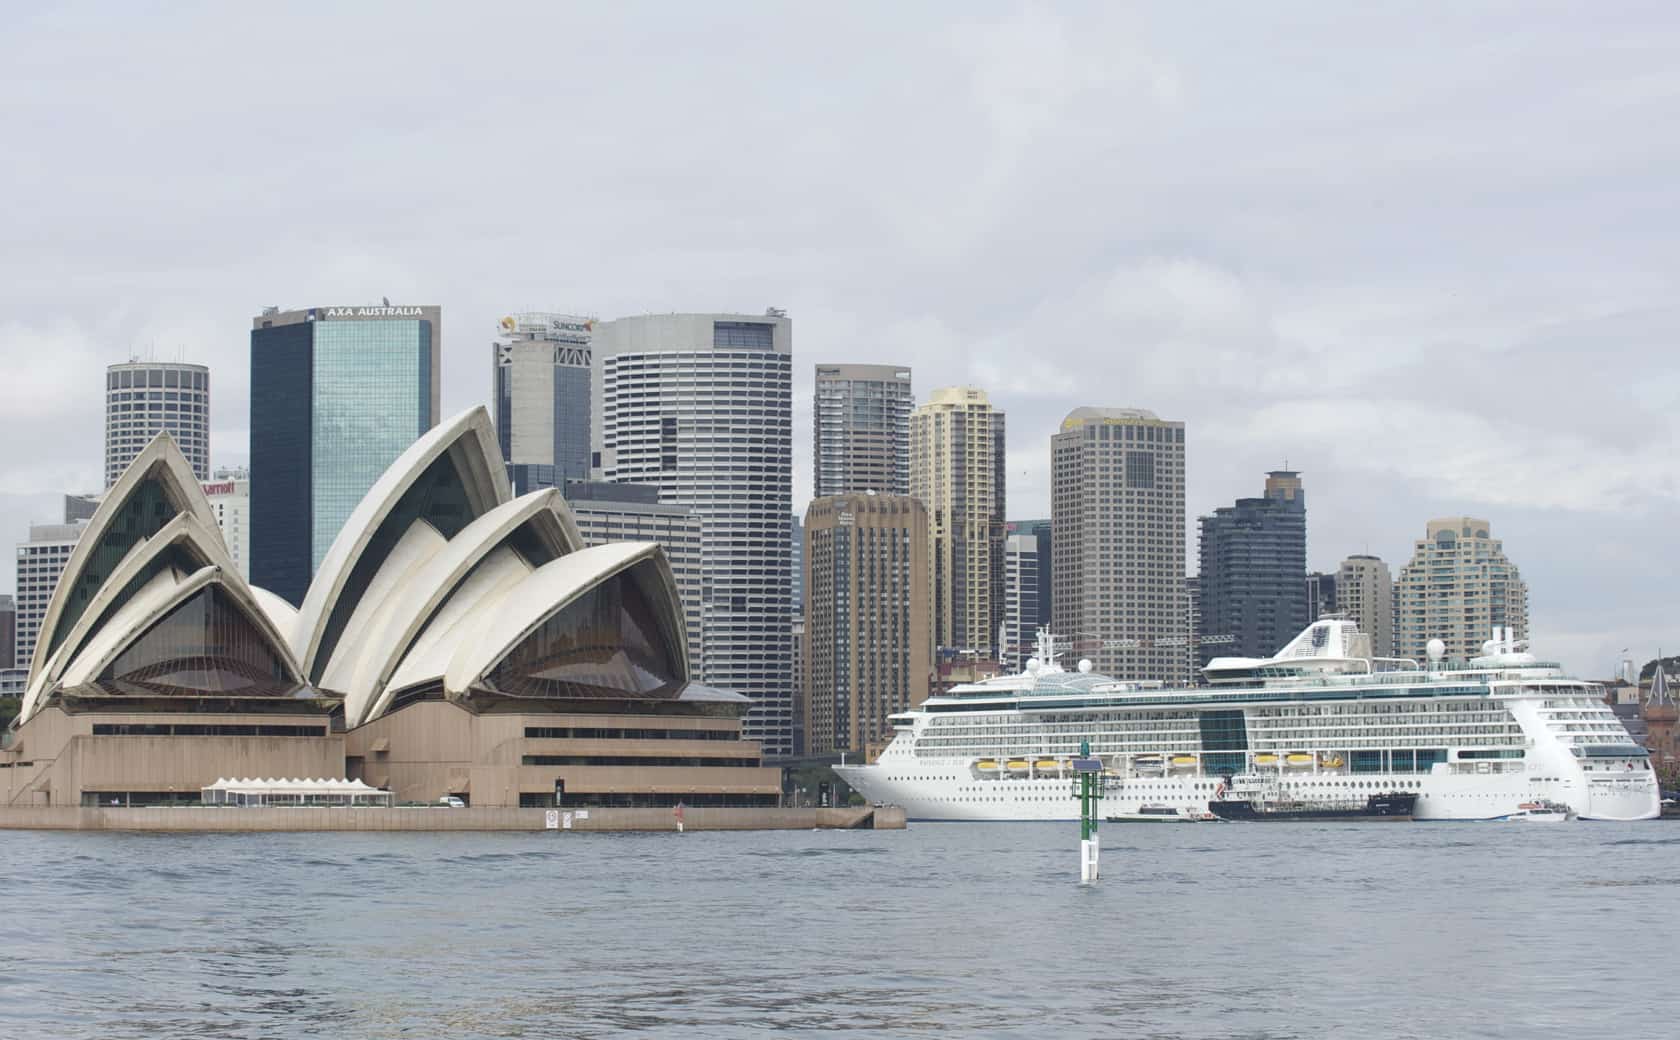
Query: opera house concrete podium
{"points": [[454, 641]]}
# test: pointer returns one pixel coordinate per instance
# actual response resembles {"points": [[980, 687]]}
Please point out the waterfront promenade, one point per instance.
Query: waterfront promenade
{"points": [[190, 819]]}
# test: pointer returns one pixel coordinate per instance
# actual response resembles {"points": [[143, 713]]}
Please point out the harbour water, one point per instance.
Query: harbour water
{"points": [[957, 930]]}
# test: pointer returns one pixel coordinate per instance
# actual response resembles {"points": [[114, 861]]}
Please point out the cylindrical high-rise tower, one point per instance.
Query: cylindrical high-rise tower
{"points": [[701, 407], [145, 398]]}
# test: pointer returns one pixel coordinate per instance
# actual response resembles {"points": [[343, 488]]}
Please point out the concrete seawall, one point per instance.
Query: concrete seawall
{"points": [[194, 819]]}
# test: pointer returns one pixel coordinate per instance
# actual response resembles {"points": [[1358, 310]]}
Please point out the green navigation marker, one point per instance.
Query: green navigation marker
{"points": [[1088, 789]]}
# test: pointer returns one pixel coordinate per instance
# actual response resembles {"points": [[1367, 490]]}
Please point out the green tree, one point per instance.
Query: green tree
{"points": [[1670, 666]]}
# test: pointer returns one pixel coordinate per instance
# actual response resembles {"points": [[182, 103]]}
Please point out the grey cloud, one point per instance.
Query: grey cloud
{"points": [[1427, 256]]}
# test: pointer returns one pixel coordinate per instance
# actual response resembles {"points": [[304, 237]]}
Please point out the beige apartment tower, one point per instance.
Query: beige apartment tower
{"points": [[1365, 593], [868, 649], [1457, 586], [1117, 513], [957, 473]]}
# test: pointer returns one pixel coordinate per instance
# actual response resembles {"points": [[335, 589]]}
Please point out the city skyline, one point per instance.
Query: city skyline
{"points": [[1299, 304], [821, 369]]}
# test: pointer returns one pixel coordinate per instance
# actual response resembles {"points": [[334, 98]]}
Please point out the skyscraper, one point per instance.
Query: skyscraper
{"points": [[1039, 531], [796, 545], [957, 473], [868, 651], [1020, 599], [862, 436], [1117, 510], [1365, 592], [40, 562], [1457, 586], [80, 507], [8, 632], [146, 398], [1321, 595], [540, 365], [1254, 570], [1192, 626], [701, 407], [229, 495], [337, 393]]}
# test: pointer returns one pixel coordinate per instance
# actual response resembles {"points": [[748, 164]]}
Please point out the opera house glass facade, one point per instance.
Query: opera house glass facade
{"points": [[454, 641]]}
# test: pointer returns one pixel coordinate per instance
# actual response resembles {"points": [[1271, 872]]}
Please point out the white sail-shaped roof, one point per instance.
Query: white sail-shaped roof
{"points": [[282, 615], [160, 470], [419, 543], [457, 623], [406, 609], [436, 579], [468, 442], [186, 533], [150, 546], [550, 589]]}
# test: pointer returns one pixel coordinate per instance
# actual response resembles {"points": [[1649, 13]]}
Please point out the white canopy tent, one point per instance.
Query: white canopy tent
{"points": [[292, 793]]}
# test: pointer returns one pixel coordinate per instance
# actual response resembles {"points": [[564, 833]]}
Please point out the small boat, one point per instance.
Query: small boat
{"points": [[1045, 765], [1265, 758], [1184, 760], [1018, 765], [1330, 761], [1298, 758], [1147, 761], [986, 765], [1539, 812], [1156, 814]]}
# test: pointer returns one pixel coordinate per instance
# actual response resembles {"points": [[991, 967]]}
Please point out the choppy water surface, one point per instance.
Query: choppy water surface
{"points": [[1275, 931]]}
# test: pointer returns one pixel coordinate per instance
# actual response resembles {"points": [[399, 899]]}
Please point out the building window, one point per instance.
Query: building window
{"points": [[752, 335], [1140, 469]]}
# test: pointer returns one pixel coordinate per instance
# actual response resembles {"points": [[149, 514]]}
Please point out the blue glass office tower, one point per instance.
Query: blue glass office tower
{"points": [[1039, 530], [337, 393]]}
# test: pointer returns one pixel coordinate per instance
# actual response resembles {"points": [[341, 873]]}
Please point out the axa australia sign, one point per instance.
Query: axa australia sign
{"points": [[363, 313]]}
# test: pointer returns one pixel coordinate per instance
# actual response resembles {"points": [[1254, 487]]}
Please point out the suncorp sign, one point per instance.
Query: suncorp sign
{"points": [[555, 328]]}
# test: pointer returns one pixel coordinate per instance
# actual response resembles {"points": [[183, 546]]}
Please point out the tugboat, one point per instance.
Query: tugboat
{"points": [[1259, 798]]}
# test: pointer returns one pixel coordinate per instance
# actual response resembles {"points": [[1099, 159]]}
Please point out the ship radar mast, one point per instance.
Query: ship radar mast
{"points": [[1046, 652]]}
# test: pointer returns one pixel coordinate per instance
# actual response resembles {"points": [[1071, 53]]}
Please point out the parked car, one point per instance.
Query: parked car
{"points": [[452, 801]]}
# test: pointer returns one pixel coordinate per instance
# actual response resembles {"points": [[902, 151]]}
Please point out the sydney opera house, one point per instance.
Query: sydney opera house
{"points": [[455, 641]]}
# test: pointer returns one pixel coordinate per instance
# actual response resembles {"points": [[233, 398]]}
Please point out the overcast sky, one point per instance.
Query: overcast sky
{"points": [[1425, 254]]}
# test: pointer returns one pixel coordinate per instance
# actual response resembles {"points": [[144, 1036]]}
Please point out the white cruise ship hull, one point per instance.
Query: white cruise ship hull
{"points": [[947, 791]]}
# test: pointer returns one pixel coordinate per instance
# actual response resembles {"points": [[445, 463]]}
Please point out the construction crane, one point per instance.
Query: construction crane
{"points": [[1086, 644], [1169, 643]]}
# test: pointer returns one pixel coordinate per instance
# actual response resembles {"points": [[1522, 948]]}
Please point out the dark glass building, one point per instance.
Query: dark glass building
{"points": [[337, 393], [1321, 595], [1253, 580], [8, 632], [1039, 530]]}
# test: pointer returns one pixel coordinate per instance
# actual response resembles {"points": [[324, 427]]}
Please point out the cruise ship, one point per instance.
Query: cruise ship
{"points": [[1320, 721]]}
